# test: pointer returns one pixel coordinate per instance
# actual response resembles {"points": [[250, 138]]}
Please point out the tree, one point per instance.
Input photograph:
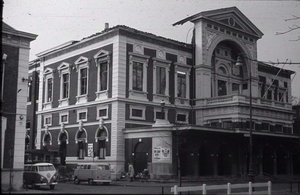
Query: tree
{"points": [[291, 28]]}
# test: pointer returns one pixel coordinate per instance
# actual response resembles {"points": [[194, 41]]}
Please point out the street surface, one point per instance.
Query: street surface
{"points": [[137, 187]]}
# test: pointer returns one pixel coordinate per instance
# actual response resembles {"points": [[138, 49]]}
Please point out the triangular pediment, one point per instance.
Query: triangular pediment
{"points": [[101, 54], [231, 17], [48, 71], [81, 60], [63, 65]]}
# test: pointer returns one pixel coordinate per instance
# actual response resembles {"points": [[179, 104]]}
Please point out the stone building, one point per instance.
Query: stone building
{"points": [[14, 77], [123, 95]]}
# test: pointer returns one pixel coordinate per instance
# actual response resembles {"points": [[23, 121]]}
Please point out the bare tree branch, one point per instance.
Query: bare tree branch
{"points": [[294, 18], [291, 29]]}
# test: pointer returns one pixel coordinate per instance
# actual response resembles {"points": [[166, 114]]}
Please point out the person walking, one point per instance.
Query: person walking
{"points": [[131, 171]]}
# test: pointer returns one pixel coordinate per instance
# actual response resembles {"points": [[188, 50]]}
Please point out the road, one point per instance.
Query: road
{"points": [[136, 187]]}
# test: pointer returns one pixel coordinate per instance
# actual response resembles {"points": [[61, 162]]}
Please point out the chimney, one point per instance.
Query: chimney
{"points": [[106, 26]]}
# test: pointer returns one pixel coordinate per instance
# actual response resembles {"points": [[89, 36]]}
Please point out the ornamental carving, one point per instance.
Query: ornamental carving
{"points": [[251, 49], [138, 49], [210, 37]]}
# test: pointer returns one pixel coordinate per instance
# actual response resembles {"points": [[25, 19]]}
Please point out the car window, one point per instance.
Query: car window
{"points": [[89, 167], [85, 166], [33, 168], [46, 168], [103, 167]]}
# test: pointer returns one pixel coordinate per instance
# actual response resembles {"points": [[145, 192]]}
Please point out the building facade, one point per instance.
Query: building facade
{"points": [[14, 77], [100, 99]]}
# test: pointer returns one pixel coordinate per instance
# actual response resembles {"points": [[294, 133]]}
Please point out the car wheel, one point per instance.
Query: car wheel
{"points": [[52, 187], [91, 182], [76, 181]]}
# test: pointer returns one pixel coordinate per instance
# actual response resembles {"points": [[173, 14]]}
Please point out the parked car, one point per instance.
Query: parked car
{"points": [[40, 174], [92, 173]]}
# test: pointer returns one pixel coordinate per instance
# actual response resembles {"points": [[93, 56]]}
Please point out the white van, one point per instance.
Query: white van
{"points": [[92, 173], [40, 174]]}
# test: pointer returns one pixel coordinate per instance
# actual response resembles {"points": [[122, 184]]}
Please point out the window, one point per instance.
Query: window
{"points": [[269, 95], [137, 112], [64, 74], [181, 84], [83, 81], [102, 112], [138, 76], [265, 126], [102, 59], [235, 88], [182, 116], [137, 79], [222, 89], [160, 80], [82, 115], [47, 120], [82, 66], [64, 117], [48, 78], [65, 85], [49, 90], [103, 76], [161, 69]]}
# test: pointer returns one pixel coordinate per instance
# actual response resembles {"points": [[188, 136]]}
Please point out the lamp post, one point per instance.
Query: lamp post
{"points": [[162, 104], [251, 174]]}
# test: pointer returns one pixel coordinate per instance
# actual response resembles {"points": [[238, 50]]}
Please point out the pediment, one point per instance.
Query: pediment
{"points": [[101, 54], [48, 71], [63, 65], [81, 60], [231, 17]]}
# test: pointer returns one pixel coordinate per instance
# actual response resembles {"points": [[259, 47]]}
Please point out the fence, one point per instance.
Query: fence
{"points": [[204, 188]]}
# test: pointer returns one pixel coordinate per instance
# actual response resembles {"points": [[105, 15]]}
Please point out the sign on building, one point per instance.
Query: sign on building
{"points": [[157, 153], [90, 149], [165, 153]]}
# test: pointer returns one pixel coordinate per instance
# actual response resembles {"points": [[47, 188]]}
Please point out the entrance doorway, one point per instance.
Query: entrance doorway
{"points": [[140, 157]]}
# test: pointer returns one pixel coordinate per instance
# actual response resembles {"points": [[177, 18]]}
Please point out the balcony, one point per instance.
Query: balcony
{"points": [[231, 99]]}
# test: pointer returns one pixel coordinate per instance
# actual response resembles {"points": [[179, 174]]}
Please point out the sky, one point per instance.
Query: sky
{"points": [[59, 21]]}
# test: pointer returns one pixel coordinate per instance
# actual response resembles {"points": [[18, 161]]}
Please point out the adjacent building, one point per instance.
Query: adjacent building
{"points": [[14, 78], [123, 95]]}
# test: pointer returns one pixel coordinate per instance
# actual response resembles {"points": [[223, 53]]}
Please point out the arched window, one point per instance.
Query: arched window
{"points": [[101, 144]]}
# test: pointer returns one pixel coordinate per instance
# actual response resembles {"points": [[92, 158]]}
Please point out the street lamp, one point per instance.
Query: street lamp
{"points": [[251, 174], [162, 104]]}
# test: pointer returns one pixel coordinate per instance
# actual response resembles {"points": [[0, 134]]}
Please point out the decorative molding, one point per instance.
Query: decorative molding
{"points": [[210, 37]]}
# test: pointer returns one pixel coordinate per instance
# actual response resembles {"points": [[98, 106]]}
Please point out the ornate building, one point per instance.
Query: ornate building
{"points": [[100, 100]]}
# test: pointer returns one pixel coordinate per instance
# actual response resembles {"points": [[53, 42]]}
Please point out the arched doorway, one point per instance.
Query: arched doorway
{"points": [[224, 160], [267, 161], [140, 157], [46, 142], [63, 141], [81, 143], [27, 142], [102, 143]]}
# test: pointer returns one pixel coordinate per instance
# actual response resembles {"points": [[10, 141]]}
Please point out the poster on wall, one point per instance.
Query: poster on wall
{"points": [[157, 153], [165, 153], [90, 149]]}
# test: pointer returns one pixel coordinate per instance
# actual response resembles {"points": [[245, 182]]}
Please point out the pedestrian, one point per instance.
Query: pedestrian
{"points": [[130, 171]]}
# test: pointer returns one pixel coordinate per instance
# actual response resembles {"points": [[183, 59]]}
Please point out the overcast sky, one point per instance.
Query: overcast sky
{"points": [[59, 21]]}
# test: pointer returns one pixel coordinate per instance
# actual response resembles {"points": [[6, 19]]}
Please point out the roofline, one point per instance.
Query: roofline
{"points": [[202, 15], [19, 33], [261, 63], [108, 31]]}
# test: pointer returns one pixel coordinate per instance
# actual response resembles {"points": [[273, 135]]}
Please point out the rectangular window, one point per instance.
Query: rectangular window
{"points": [[160, 80], [83, 81], [245, 86], [65, 85], [102, 112], [235, 88], [82, 115], [269, 95], [49, 87], [103, 76], [48, 120], [181, 85], [222, 90], [280, 94], [265, 126], [181, 117], [137, 76], [81, 151], [137, 113], [64, 118]]}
